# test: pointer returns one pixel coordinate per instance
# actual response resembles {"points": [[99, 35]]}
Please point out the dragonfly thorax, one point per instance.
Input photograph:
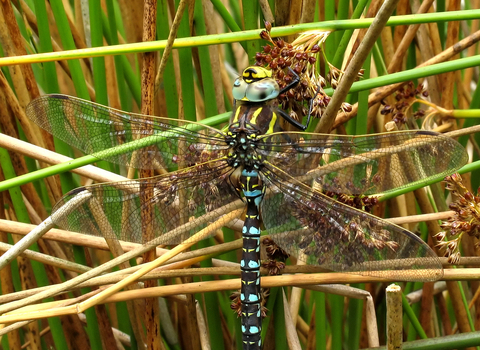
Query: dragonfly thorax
{"points": [[243, 143]]}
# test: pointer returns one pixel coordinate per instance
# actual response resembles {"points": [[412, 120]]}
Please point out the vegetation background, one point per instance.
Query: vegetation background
{"points": [[195, 84]]}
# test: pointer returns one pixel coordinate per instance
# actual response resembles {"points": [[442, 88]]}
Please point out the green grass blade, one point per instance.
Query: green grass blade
{"points": [[68, 44]]}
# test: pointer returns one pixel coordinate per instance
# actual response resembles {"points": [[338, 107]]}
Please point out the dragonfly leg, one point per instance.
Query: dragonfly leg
{"points": [[285, 115], [295, 81], [292, 121]]}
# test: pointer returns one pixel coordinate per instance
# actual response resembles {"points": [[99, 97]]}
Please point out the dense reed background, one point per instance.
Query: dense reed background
{"points": [[195, 84]]}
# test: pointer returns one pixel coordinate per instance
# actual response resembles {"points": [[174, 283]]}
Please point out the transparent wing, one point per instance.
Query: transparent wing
{"points": [[366, 164], [183, 202], [322, 231], [156, 143]]}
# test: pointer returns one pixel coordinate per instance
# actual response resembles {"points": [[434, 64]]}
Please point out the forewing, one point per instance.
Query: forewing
{"points": [[367, 164], [156, 143], [184, 202], [322, 231]]}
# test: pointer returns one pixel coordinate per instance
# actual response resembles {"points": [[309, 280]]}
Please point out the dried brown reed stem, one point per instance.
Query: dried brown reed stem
{"points": [[394, 317]]}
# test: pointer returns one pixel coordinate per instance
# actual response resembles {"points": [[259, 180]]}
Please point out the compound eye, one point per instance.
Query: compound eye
{"points": [[239, 89], [262, 90]]}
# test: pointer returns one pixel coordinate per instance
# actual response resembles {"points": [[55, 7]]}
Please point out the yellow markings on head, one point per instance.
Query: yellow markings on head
{"points": [[254, 73], [253, 120], [272, 123]]}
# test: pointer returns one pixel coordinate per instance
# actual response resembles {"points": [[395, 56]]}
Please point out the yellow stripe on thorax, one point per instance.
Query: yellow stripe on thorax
{"points": [[255, 115], [237, 112], [272, 123]]}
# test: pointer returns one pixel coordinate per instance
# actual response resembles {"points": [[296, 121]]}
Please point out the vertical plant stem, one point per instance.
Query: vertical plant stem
{"points": [[203, 329], [426, 309], [320, 321], [394, 317], [152, 317], [371, 321], [290, 325], [448, 79]]}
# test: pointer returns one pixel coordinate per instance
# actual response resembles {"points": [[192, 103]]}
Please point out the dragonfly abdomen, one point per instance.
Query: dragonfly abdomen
{"points": [[253, 190]]}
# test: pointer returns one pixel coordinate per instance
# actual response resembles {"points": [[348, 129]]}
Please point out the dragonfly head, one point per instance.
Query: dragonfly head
{"points": [[255, 85]]}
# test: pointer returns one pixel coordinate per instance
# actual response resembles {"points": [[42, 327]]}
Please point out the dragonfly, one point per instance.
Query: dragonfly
{"points": [[280, 176]]}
